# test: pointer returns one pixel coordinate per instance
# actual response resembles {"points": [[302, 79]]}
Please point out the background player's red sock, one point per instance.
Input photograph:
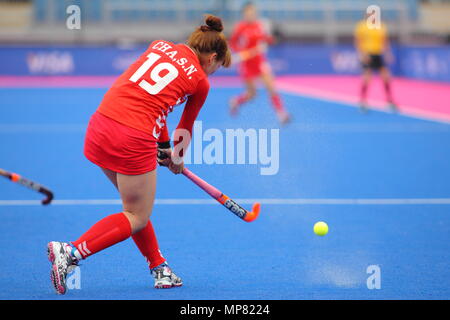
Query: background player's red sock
{"points": [[105, 233], [277, 103], [148, 245], [242, 98]]}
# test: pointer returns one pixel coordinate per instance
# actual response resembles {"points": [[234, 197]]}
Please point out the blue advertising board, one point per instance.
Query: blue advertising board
{"points": [[427, 63]]}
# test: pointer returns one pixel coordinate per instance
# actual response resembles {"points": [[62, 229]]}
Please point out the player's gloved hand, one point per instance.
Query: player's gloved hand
{"points": [[164, 154], [245, 55], [166, 158]]}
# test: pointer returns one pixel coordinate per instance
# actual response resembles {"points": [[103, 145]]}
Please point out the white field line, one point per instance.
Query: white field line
{"points": [[301, 127], [273, 201]]}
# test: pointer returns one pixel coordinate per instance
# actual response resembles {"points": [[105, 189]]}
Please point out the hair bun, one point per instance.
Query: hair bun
{"points": [[214, 23]]}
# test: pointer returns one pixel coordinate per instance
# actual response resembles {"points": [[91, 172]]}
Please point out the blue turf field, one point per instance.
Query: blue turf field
{"points": [[330, 151]]}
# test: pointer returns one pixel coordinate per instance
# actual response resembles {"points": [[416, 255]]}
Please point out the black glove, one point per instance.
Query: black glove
{"points": [[163, 149]]}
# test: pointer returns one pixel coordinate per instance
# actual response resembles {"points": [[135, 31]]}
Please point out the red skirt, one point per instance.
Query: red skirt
{"points": [[254, 68], [114, 146]]}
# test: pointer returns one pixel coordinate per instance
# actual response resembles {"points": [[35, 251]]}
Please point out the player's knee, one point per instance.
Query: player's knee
{"points": [[272, 91], [141, 223], [138, 220], [251, 94]]}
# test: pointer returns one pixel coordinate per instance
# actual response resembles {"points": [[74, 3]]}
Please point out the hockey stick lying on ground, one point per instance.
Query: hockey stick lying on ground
{"points": [[227, 202], [29, 184]]}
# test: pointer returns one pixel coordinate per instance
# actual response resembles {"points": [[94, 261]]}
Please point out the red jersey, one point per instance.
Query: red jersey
{"points": [[164, 76], [248, 35]]}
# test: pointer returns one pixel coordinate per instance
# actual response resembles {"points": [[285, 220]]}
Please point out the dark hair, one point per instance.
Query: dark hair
{"points": [[209, 38]]}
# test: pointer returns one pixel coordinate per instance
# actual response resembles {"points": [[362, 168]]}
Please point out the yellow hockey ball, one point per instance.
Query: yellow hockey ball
{"points": [[320, 228]]}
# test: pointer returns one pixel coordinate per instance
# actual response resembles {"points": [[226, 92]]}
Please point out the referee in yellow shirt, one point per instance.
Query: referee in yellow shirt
{"points": [[371, 42]]}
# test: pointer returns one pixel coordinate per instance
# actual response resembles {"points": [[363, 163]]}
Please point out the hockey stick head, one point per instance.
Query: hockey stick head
{"points": [[49, 197], [252, 215]]}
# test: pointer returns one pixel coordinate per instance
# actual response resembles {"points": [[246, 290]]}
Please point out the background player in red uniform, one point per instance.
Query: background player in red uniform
{"points": [[125, 134], [249, 40]]}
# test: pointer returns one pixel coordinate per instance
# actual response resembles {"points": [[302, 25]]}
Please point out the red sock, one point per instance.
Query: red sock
{"points": [[148, 245], [276, 103], [241, 99], [105, 233]]}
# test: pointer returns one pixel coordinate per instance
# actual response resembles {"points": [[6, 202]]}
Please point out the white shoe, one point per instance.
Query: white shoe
{"points": [[165, 278], [62, 264]]}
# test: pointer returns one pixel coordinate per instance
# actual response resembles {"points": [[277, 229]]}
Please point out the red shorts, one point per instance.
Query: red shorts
{"points": [[254, 68], [114, 146]]}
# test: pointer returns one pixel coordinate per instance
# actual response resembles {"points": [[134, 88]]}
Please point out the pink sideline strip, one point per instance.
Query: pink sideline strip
{"points": [[415, 98], [422, 99]]}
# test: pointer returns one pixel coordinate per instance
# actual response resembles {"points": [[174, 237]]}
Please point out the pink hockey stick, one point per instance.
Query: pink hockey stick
{"points": [[229, 203]]}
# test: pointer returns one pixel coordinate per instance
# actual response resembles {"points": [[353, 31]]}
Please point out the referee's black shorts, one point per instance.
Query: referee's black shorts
{"points": [[376, 62]]}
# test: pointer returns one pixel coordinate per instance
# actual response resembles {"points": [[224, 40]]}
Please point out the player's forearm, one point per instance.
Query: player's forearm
{"points": [[362, 54], [164, 136], [267, 38], [182, 140], [183, 133]]}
